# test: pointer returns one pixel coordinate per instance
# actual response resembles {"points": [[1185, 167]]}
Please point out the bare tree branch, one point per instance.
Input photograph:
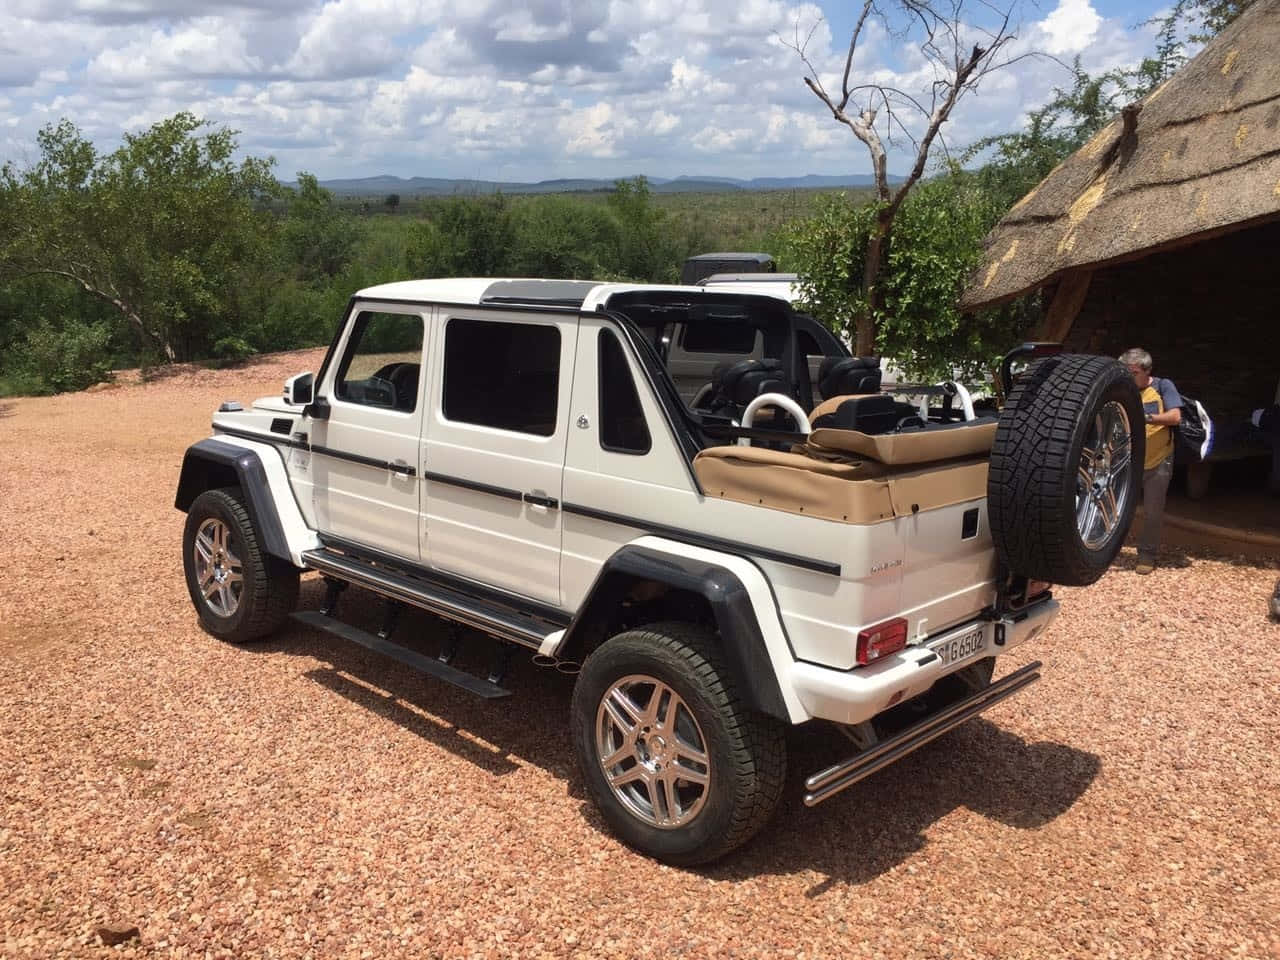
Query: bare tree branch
{"points": [[945, 40], [853, 45]]}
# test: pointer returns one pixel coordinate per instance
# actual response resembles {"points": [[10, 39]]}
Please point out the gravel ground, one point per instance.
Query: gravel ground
{"points": [[302, 798]]}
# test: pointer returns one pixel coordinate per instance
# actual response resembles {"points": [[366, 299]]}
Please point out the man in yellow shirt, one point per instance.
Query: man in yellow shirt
{"points": [[1163, 406]]}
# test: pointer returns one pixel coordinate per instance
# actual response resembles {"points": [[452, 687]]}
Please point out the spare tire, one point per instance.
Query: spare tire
{"points": [[1066, 469]]}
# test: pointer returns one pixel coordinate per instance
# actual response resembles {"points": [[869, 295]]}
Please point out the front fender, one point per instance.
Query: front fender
{"points": [[256, 468]]}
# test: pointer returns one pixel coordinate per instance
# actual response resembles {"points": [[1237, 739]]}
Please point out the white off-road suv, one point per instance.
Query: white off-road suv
{"points": [[514, 456]]}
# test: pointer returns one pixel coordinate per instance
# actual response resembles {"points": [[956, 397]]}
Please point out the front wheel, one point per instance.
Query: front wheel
{"points": [[240, 592], [678, 766]]}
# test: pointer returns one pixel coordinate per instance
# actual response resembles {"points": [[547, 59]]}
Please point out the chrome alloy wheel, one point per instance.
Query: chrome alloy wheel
{"points": [[652, 751], [1104, 482], [218, 569]]}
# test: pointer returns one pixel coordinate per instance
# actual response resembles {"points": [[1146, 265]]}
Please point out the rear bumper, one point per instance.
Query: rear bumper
{"points": [[827, 783], [852, 696]]}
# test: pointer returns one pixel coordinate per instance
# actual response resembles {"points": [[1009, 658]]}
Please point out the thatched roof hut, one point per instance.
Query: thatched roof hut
{"points": [[1199, 157]]}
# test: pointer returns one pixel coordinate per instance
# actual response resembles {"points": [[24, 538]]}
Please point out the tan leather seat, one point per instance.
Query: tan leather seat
{"points": [[845, 491]]}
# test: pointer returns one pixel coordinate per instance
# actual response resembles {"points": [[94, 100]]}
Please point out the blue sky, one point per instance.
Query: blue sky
{"points": [[500, 90]]}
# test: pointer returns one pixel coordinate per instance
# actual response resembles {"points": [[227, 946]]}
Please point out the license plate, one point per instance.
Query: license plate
{"points": [[953, 650]]}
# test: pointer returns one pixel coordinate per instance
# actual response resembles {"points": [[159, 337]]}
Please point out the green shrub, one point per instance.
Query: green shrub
{"points": [[59, 358]]}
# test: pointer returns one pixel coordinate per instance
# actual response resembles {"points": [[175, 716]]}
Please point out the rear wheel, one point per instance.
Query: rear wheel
{"points": [[240, 592], [679, 767], [1066, 469]]}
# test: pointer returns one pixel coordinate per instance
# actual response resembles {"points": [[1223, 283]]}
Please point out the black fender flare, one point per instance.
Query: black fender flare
{"points": [[214, 463], [741, 641]]}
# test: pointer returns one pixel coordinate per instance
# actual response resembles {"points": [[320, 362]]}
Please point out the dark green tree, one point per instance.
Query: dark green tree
{"points": [[938, 242], [646, 243], [318, 238], [162, 230], [462, 236]]}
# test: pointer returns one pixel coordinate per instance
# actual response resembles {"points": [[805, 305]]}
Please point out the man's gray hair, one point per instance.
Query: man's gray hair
{"points": [[1137, 357]]}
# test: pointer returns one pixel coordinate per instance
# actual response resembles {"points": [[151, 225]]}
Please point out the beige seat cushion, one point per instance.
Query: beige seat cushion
{"points": [[926, 446], [858, 492]]}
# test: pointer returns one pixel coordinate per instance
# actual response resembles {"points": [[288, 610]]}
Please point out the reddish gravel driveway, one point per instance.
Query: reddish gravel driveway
{"points": [[302, 798]]}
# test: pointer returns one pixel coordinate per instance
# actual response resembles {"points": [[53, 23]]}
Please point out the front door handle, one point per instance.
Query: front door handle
{"points": [[551, 503], [401, 467]]}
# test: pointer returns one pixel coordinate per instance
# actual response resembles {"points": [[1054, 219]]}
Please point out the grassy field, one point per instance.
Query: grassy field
{"points": [[730, 220]]}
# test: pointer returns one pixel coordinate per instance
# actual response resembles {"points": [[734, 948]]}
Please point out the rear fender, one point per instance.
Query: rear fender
{"points": [[751, 637]]}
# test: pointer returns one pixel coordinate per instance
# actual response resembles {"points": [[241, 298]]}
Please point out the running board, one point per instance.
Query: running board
{"points": [[827, 783], [444, 601], [410, 658]]}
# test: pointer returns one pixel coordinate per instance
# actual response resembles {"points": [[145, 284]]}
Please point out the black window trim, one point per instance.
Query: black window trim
{"points": [[603, 332], [679, 420]]}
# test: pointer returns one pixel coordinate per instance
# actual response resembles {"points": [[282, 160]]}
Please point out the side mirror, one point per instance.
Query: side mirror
{"points": [[299, 388]]}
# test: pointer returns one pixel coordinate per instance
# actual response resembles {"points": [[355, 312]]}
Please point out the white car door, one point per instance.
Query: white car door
{"points": [[364, 457], [494, 447]]}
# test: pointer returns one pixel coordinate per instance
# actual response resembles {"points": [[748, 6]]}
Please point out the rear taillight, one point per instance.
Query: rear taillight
{"points": [[875, 643]]}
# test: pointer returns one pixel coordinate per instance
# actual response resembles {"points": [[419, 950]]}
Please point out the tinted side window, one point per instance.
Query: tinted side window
{"points": [[622, 424], [711, 337], [383, 361], [503, 375]]}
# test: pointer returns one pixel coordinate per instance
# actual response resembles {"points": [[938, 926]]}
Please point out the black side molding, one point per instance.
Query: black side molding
{"points": [[700, 540], [212, 463], [741, 641], [403, 469]]}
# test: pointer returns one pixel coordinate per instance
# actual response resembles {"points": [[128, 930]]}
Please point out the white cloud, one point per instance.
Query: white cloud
{"points": [[661, 123], [543, 88], [204, 48], [1070, 27]]}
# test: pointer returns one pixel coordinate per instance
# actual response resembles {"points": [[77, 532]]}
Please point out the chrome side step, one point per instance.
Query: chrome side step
{"points": [[444, 601], [410, 658], [827, 783]]}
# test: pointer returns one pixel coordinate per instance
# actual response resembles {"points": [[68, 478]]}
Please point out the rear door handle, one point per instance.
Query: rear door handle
{"points": [[551, 503]]}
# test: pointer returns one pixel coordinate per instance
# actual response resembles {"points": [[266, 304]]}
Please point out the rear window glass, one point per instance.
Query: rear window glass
{"points": [[711, 337], [501, 374], [622, 424]]}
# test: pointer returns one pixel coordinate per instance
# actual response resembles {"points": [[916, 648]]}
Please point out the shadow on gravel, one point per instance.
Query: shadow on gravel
{"points": [[7, 409], [852, 838], [1169, 558], [529, 726], [874, 825]]}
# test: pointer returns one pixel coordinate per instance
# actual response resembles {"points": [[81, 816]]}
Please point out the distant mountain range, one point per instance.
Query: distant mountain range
{"points": [[386, 184]]}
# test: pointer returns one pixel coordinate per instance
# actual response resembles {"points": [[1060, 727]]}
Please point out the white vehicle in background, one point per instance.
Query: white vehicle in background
{"points": [[516, 457]]}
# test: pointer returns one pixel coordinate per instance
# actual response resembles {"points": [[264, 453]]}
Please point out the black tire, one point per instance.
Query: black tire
{"points": [[746, 751], [269, 586], [1036, 460]]}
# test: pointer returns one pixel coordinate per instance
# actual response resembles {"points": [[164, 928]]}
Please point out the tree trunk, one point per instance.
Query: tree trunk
{"points": [[148, 336], [873, 295]]}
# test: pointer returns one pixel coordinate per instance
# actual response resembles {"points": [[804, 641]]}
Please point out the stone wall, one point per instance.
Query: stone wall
{"points": [[1209, 314]]}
